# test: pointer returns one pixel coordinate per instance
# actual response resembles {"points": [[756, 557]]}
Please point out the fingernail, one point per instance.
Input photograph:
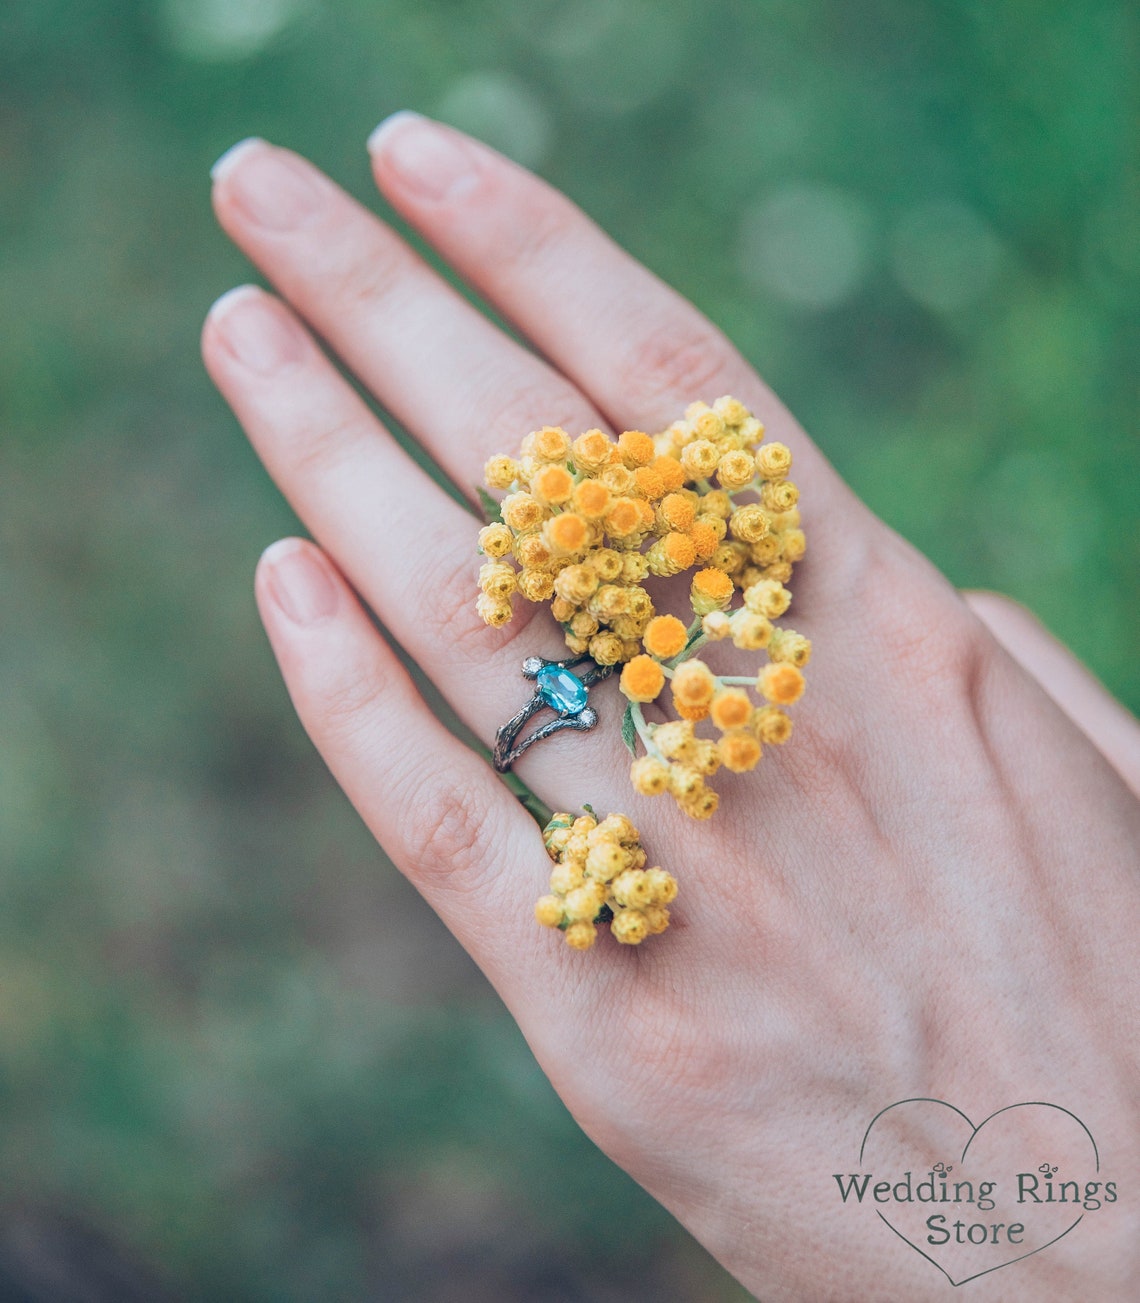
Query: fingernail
{"points": [[425, 157], [255, 331], [299, 581], [270, 186]]}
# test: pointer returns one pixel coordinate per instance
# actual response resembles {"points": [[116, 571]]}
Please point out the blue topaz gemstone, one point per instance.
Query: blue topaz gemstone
{"points": [[561, 690]]}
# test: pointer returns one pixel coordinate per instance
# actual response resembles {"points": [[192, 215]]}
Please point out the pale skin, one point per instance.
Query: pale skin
{"points": [[932, 890]]}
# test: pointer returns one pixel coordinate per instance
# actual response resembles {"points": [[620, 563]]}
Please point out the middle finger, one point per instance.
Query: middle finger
{"points": [[461, 385]]}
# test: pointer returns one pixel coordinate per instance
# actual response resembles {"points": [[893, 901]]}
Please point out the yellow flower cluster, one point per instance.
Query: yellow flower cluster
{"points": [[599, 877], [586, 521]]}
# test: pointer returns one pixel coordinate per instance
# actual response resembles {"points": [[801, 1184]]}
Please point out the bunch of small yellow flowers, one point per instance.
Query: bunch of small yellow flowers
{"points": [[588, 520], [599, 876]]}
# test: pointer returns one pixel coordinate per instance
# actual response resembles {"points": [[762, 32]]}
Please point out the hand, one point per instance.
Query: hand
{"points": [[932, 890]]}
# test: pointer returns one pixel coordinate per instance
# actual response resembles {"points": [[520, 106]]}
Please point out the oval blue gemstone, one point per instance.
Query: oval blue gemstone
{"points": [[561, 690]]}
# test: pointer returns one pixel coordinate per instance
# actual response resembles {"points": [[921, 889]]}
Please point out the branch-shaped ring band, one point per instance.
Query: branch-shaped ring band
{"points": [[556, 688]]}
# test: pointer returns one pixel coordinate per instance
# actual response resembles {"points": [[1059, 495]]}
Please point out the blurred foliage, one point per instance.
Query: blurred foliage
{"points": [[229, 1033]]}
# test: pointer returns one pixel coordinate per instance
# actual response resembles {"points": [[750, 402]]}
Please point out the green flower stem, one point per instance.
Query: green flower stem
{"points": [[737, 678], [643, 732]]}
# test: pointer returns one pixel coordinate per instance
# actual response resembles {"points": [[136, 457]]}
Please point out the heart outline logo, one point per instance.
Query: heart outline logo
{"points": [[974, 1131]]}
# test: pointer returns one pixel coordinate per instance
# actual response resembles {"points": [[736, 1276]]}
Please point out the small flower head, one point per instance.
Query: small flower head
{"points": [[649, 776], [739, 750], [674, 740], [606, 648], [565, 534], [749, 524], [772, 726], [500, 472], [552, 484], [716, 625], [730, 708], [664, 636], [711, 590], [592, 499], [623, 518], [636, 448], [494, 611], [548, 910], [521, 511], [693, 685], [671, 554], [773, 461], [735, 469], [580, 936], [642, 679], [576, 584], [550, 444], [779, 495], [495, 540], [700, 458], [780, 683], [591, 451], [787, 645], [750, 632], [676, 511], [630, 927], [767, 597]]}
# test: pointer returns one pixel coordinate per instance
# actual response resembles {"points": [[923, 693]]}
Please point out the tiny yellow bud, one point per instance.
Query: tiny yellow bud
{"points": [[536, 585], [500, 473], [772, 725], [787, 645], [779, 495], [632, 889], [773, 461], [750, 632], [794, 544], [664, 636], [693, 684], [656, 919], [700, 458], [636, 448], [664, 886], [739, 750], [493, 610], [576, 584], [605, 861], [780, 683], [551, 443], [548, 911], [495, 540], [731, 708], [674, 740], [731, 410], [606, 648], [580, 936], [642, 679], [629, 927], [711, 590], [716, 625], [591, 451], [749, 524], [521, 512], [735, 469], [649, 776], [768, 597]]}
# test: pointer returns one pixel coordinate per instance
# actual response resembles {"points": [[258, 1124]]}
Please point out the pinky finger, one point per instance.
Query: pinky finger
{"points": [[1108, 725], [437, 809]]}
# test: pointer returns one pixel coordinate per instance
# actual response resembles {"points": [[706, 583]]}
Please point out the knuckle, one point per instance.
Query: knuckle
{"points": [[505, 409], [444, 829], [323, 446], [351, 705], [449, 617], [360, 283], [546, 222], [685, 358]]}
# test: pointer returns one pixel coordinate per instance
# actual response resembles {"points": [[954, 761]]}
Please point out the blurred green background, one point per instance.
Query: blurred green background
{"points": [[235, 1050]]}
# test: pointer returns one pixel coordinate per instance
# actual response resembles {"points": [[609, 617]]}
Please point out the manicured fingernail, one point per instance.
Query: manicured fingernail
{"points": [[258, 333], [299, 581], [425, 157], [270, 186]]}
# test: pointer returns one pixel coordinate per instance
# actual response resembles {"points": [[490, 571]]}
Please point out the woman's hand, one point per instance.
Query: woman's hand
{"points": [[931, 891]]}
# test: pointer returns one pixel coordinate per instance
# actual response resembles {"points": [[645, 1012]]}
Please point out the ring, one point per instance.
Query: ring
{"points": [[559, 689]]}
